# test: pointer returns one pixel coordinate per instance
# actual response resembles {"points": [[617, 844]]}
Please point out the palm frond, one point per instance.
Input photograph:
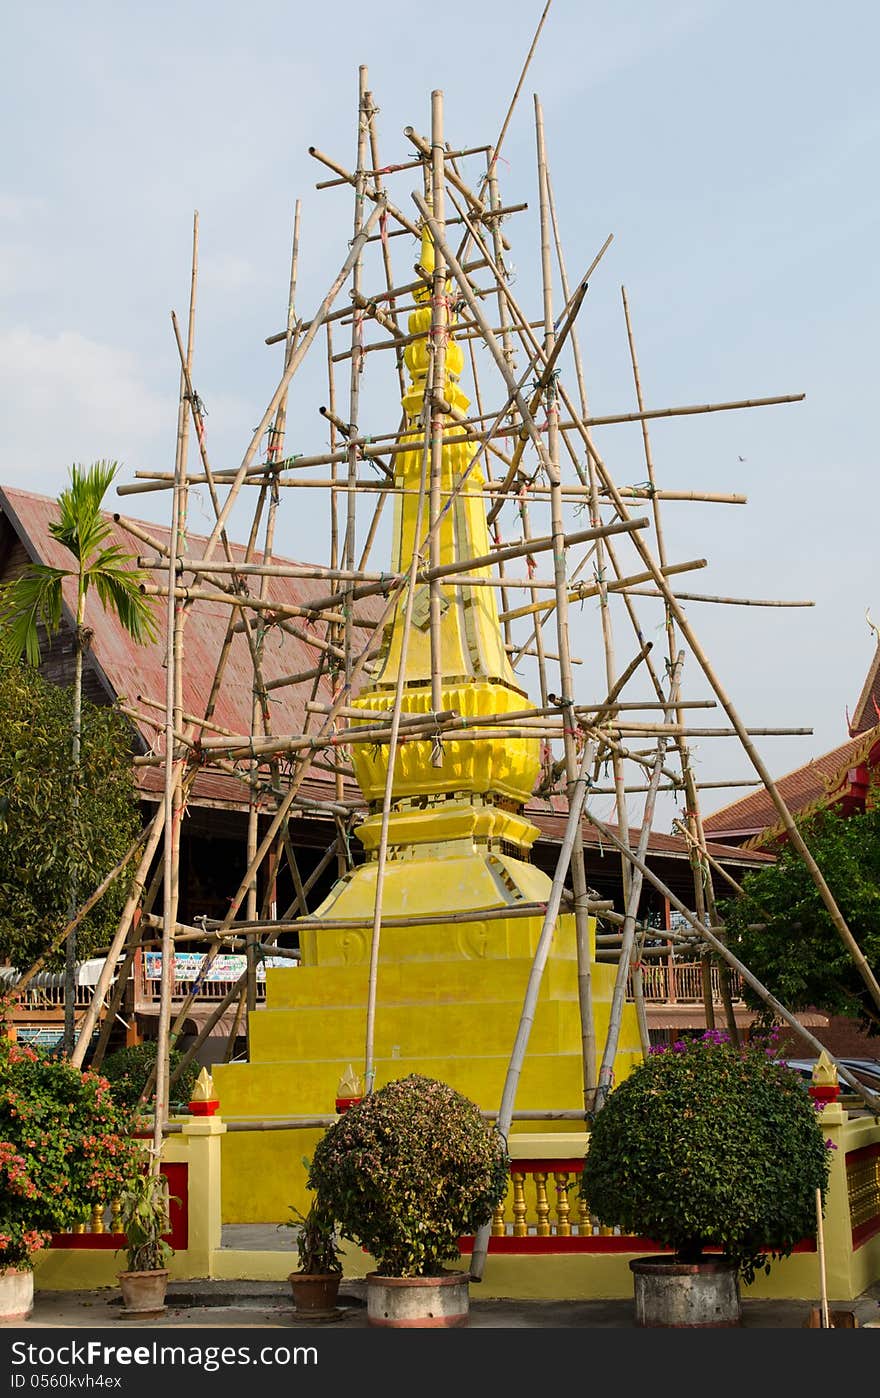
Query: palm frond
{"points": [[32, 599], [119, 591], [80, 526]]}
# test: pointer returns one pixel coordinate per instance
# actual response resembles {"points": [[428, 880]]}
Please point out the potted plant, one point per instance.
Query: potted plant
{"points": [[706, 1146], [64, 1146], [143, 1216], [406, 1172], [316, 1284]]}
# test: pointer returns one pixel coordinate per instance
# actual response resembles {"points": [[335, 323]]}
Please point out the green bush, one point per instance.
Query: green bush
{"points": [[407, 1171], [127, 1070], [705, 1145], [64, 1146]]}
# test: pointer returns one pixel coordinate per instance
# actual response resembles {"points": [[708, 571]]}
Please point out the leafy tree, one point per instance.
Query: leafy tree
{"points": [[36, 598], [782, 931], [44, 839]]}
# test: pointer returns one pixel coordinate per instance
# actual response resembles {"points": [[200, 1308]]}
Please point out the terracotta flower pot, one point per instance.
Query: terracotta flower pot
{"points": [[424, 1302], [16, 1293], [143, 1293], [314, 1293]]}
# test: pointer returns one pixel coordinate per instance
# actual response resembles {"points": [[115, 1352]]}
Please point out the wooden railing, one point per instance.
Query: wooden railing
{"points": [[674, 982]]}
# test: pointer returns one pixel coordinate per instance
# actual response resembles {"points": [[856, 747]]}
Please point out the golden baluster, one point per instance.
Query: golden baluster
{"points": [[584, 1223], [542, 1207], [498, 1221], [78, 1228], [96, 1224], [115, 1220], [520, 1228], [605, 1231], [563, 1208]]}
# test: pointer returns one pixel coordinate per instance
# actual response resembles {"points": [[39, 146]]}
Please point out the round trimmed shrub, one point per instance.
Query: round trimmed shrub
{"points": [[705, 1145], [408, 1171]]}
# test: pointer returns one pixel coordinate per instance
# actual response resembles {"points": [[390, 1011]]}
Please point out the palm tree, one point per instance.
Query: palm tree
{"points": [[36, 598]]}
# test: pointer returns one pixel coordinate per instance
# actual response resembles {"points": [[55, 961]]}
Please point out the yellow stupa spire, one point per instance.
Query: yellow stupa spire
{"points": [[477, 678]]}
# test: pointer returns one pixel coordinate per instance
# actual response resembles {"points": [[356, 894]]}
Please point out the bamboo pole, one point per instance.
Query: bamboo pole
{"points": [[757, 761], [566, 680], [533, 987], [382, 851], [436, 390], [27, 976], [173, 722], [708, 934], [150, 837], [595, 519], [615, 1016]]}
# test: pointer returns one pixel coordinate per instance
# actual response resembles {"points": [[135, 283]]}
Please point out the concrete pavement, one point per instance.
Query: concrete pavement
{"points": [[247, 1305]]}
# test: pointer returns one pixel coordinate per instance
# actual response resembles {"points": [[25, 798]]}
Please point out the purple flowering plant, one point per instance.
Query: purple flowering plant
{"points": [[706, 1145]]}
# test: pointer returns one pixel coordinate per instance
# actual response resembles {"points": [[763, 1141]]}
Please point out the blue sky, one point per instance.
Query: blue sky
{"points": [[731, 148]]}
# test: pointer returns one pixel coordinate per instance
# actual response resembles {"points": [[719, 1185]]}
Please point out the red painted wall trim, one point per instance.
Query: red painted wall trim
{"points": [[532, 1245]]}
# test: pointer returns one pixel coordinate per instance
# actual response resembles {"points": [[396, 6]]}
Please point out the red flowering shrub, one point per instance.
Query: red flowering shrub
{"points": [[64, 1146]]}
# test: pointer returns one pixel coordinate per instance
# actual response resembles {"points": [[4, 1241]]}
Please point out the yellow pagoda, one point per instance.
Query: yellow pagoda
{"points": [[449, 994]]}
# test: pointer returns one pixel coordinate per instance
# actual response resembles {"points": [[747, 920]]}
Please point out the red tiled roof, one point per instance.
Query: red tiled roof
{"points": [[806, 787], [131, 670], [552, 824]]}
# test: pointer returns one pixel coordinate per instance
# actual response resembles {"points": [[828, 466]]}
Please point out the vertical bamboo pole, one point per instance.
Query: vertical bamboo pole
{"points": [[557, 528], [600, 550], [820, 1248], [173, 724], [533, 987], [357, 356], [382, 851], [606, 1069], [439, 336]]}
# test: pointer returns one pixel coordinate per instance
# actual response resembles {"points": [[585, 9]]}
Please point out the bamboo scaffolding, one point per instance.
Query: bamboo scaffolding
{"points": [[601, 728]]}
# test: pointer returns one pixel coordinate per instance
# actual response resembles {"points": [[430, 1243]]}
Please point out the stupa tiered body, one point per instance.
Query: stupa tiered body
{"points": [[449, 994]]}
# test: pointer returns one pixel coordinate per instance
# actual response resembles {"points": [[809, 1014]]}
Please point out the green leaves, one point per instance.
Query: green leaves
{"points": [[783, 932], [35, 599], [708, 1146], [409, 1170], [45, 835]]}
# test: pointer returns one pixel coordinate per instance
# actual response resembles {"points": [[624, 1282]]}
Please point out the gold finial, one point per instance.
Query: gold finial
{"points": [[349, 1084], [825, 1072], [204, 1088]]}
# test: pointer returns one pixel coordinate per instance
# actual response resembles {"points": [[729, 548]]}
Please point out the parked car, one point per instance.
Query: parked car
{"points": [[866, 1070]]}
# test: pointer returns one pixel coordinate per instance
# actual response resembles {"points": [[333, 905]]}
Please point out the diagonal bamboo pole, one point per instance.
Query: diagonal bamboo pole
{"points": [[533, 987]]}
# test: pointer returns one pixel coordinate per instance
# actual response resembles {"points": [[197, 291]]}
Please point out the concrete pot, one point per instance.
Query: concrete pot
{"points": [[314, 1293], [686, 1294], [143, 1293], [16, 1293], [424, 1302]]}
